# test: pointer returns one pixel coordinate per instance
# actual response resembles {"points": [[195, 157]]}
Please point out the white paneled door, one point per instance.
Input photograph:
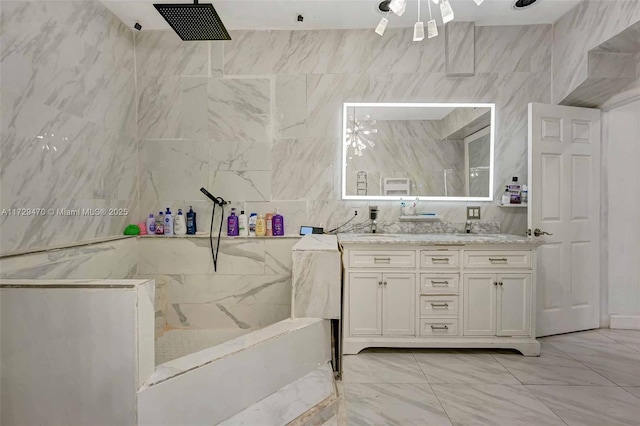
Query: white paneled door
{"points": [[564, 211]]}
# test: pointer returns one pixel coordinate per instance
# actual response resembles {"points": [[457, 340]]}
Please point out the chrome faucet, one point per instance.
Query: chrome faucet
{"points": [[467, 227]]}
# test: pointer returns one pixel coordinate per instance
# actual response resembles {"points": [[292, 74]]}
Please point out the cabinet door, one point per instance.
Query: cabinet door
{"points": [[398, 304], [514, 304], [365, 304], [479, 316]]}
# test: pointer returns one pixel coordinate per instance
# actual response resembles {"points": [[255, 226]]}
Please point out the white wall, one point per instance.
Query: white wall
{"points": [[622, 153]]}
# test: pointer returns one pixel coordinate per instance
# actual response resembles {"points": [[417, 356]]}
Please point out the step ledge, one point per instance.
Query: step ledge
{"points": [[187, 363], [293, 403]]}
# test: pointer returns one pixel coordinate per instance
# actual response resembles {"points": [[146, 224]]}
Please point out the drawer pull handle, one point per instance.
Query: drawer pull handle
{"points": [[444, 327], [440, 259], [439, 305], [439, 283], [382, 259], [497, 259]]}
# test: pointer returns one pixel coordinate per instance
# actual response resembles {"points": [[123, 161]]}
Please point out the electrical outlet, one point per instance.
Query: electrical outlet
{"points": [[473, 212]]}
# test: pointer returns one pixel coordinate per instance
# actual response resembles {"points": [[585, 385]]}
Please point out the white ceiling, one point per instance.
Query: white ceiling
{"points": [[339, 14]]}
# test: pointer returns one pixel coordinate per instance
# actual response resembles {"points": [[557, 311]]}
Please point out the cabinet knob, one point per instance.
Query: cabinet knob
{"points": [[495, 283], [500, 283], [379, 282], [385, 283]]}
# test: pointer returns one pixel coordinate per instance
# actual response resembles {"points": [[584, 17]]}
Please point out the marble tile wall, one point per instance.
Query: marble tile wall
{"points": [[251, 288], [585, 27], [271, 133], [68, 133]]}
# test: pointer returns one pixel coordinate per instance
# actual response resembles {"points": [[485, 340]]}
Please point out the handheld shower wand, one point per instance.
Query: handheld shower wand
{"points": [[217, 201]]}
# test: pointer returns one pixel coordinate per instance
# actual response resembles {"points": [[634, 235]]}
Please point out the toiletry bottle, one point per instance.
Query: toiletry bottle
{"points": [[160, 224], [252, 224], [269, 221], [191, 221], [180, 226], [524, 196], [261, 226], [514, 191], [506, 196], [168, 222], [278, 224], [232, 224], [243, 224], [151, 224]]}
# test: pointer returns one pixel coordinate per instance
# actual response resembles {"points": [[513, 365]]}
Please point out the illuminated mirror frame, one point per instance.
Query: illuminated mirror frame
{"points": [[348, 105]]}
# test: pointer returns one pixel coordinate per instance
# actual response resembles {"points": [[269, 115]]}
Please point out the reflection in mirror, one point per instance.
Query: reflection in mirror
{"points": [[426, 151]]}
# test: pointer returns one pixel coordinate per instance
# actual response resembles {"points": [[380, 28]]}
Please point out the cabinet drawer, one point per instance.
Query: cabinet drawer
{"points": [[439, 327], [439, 283], [382, 259], [438, 306], [497, 259], [439, 259]]}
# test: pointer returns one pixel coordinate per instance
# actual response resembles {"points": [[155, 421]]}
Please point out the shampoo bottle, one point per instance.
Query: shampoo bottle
{"points": [[278, 224], [168, 222], [151, 224], [232, 224], [269, 221], [261, 226], [191, 221], [252, 224], [180, 226], [243, 224], [160, 224]]}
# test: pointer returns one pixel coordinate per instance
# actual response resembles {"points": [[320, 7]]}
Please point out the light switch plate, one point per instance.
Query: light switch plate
{"points": [[473, 212]]}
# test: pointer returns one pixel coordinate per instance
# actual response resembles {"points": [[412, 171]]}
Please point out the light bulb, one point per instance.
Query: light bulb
{"points": [[402, 9], [478, 2], [418, 31], [447, 11], [397, 5], [432, 28], [382, 25], [436, 1]]}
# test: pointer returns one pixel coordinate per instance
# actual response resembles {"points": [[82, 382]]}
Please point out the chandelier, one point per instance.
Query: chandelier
{"points": [[359, 135], [400, 6]]}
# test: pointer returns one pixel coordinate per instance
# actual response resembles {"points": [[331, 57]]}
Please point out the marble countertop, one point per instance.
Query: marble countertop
{"points": [[438, 239], [317, 242]]}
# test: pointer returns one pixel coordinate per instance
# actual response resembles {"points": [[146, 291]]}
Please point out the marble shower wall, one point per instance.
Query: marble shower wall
{"points": [[258, 119], [585, 27], [68, 132], [251, 288]]}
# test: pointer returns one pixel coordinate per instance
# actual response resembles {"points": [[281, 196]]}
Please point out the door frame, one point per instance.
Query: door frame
{"points": [[614, 102]]}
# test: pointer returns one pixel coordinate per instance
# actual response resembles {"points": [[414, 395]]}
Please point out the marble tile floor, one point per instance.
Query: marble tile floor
{"points": [[585, 378], [173, 344]]}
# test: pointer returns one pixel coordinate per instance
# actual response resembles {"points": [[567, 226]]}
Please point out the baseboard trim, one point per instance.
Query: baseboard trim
{"points": [[625, 322]]}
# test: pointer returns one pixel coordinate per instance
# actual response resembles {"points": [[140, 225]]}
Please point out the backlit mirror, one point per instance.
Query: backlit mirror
{"points": [[428, 151]]}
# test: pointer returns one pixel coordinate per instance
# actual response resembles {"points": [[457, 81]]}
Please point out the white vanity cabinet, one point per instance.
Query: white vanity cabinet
{"points": [[430, 294]]}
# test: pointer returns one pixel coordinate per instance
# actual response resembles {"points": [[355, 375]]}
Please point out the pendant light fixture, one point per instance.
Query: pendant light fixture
{"points": [[418, 28], [432, 27], [399, 6]]}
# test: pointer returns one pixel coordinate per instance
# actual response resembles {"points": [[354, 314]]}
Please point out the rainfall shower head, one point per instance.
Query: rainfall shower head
{"points": [[194, 21]]}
